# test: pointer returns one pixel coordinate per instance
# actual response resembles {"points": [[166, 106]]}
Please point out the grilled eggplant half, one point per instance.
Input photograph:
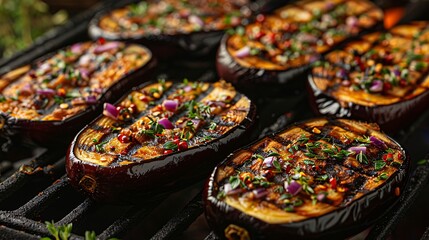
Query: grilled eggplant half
{"points": [[158, 137], [312, 180], [51, 99], [280, 46], [382, 77], [170, 27]]}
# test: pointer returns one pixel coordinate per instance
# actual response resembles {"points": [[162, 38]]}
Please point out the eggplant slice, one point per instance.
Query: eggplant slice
{"points": [[278, 47], [382, 77], [163, 136], [171, 27], [56, 96], [319, 178]]}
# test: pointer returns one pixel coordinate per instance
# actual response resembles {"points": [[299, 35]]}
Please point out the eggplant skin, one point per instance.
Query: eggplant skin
{"points": [[184, 41], [380, 77], [153, 177], [48, 133], [278, 48], [230, 223]]}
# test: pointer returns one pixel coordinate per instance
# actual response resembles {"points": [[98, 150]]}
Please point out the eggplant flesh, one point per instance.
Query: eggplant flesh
{"points": [[318, 178], [172, 27], [278, 47], [56, 95], [381, 78], [166, 135]]}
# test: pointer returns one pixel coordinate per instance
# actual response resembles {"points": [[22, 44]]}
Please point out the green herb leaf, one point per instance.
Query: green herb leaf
{"points": [[212, 126], [276, 164], [362, 158], [234, 181], [308, 162], [90, 235], [378, 165], [170, 145]]}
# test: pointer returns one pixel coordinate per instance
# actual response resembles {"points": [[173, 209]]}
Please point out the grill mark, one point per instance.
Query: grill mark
{"points": [[135, 146]]}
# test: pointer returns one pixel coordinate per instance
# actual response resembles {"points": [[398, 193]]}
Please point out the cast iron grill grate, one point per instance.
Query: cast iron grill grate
{"points": [[36, 190]]}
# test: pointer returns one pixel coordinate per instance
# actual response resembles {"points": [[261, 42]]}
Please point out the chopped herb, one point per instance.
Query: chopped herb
{"points": [[277, 165], [310, 155], [257, 156], [279, 189], [382, 176], [271, 153], [362, 158], [170, 145], [303, 139], [364, 140], [212, 126], [100, 147], [94, 140], [389, 150], [234, 181], [285, 196], [2, 98], [323, 177], [378, 165], [308, 162]]}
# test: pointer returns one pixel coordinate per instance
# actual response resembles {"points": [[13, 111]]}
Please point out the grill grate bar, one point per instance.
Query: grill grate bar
{"points": [[130, 217], [77, 213], [25, 173], [15, 221], [181, 220], [384, 228], [211, 236], [39, 202]]}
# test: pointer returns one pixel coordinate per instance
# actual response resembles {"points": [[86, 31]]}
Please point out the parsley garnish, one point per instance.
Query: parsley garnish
{"points": [[378, 165], [170, 145], [362, 158], [100, 147], [308, 162]]}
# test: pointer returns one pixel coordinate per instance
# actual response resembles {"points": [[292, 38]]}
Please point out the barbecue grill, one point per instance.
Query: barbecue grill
{"points": [[34, 188]]}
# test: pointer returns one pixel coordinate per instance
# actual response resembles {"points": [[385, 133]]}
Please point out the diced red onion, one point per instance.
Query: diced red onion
{"points": [[44, 68], [377, 86], [260, 192], [84, 73], [45, 92], [321, 196], [268, 162], [196, 122], [396, 72], [352, 21], [187, 88], [342, 73], [358, 149], [170, 105], [106, 47], [377, 142], [166, 123], [97, 90], [293, 187], [85, 60], [91, 99], [76, 48], [243, 52], [196, 20], [110, 111], [216, 104]]}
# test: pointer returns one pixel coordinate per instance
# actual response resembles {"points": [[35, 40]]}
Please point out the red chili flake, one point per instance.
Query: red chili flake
{"points": [[388, 157], [61, 92], [387, 85], [132, 108], [388, 58], [168, 151], [399, 156], [183, 145], [144, 99], [402, 82], [112, 148], [288, 168], [101, 40], [268, 174], [259, 35], [333, 182], [124, 138], [260, 18]]}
